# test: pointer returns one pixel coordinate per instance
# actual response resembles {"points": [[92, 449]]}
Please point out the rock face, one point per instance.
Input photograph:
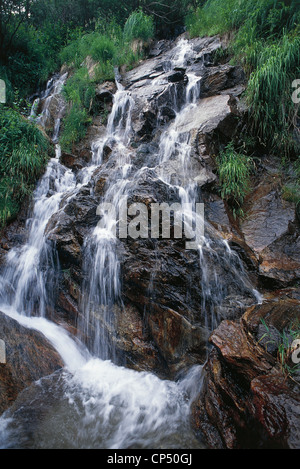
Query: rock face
{"points": [[246, 400], [172, 298], [271, 229], [163, 290], [29, 357]]}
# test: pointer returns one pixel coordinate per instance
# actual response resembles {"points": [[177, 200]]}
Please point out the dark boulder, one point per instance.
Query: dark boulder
{"points": [[29, 357]]}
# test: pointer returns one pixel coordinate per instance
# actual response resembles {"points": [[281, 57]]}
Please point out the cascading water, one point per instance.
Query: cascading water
{"points": [[101, 289], [96, 403], [109, 405], [52, 95], [175, 145]]}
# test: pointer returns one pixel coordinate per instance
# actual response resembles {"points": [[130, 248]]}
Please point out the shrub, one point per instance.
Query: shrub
{"points": [[234, 171], [79, 92], [103, 49], [75, 124], [23, 155], [108, 47], [272, 111], [138, 26]]}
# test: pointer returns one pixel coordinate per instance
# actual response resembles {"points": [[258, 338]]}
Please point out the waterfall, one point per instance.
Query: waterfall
{"points": [[97, 403], [102, 286], [109, 405], [30, 272]]}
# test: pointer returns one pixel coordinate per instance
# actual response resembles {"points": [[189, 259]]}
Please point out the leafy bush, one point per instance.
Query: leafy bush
{"points": [[234, 175], [108, 48], [23, 155], [75, 124], [103, 49]]}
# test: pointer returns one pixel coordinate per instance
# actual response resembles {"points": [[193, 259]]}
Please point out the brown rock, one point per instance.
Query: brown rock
{"points": [[277, 409], [220, 78], [240, 351], [29, 358], [271, 231], [71, 161], [246, 400]]}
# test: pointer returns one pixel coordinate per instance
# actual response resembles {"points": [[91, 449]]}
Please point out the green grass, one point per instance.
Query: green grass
{"points": [[23, 156], [108, 47], [284, 346], [138, 26], [234, 171]]}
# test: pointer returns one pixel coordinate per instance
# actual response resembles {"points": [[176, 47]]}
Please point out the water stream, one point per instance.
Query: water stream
{"points": [[93, 403]]}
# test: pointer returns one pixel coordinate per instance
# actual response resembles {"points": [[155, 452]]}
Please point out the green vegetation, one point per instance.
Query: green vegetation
{"points": [[138, 26], [33, 32], [234, 175], [93, 37], [284, 345], [104, 49], [23, 155], [266, 41], [291, 192]]}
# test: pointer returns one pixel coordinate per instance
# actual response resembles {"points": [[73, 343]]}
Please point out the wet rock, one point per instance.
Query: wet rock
{"points": [[205, 49], [220, 78], [276, 407], [270, 229], [29, 357], [211, 114], [105, 91], [158, 48], [134, 342], [176, 75], [246, 400], [268, 215], [163, 286], [71, 162], [15, 233], [69, 227], [215, 212]]}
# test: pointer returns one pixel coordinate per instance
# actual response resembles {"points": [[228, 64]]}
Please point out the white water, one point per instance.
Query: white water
{"points": [[108, 406]]}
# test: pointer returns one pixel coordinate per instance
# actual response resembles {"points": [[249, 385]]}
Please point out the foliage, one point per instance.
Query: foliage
{"points": [[139, 26], [23, 155], [234, 171], [291, 192], [79, 92], [75, 124], [107, 48], [272, 111], [284, 345]]}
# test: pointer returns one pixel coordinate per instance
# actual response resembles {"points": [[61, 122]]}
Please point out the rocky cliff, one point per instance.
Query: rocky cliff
{"points": [[171, 298]]}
